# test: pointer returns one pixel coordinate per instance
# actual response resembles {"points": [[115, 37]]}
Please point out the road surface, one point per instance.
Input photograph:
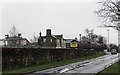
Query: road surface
{"points": [[91, 66]]}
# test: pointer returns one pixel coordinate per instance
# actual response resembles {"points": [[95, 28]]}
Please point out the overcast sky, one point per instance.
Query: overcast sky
{"points": [[68, 17]]}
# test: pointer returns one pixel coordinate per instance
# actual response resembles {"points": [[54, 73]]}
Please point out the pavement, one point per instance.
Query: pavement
{"points": [[87, 67]]}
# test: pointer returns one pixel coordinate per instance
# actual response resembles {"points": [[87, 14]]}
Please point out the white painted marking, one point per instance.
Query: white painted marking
{"points": [[64, 70]]}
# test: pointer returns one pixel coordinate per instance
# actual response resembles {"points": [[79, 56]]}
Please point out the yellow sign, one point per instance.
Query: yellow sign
{"points": [[74, 45]]}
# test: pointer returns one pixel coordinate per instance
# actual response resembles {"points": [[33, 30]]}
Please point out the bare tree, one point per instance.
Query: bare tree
{"points": [[102, 39], [110, 13], [89, 33], [13, 31], [34, 39]]}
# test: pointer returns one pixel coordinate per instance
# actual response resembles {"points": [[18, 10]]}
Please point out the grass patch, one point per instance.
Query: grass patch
{"points": [[111, 70], [51, 64]]}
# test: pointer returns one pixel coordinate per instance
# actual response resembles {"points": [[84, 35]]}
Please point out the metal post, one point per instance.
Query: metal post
{"points": [[80, 37], [108, 41], [118, 13], [118, 40]]}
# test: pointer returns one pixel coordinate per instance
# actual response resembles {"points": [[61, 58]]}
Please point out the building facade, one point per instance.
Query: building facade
{"points": [[15, 40], [51, 41], [2, 42]]}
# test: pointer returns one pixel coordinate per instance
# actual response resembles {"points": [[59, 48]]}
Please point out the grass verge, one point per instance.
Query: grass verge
{"points": [[111, 70], [51, 64]]}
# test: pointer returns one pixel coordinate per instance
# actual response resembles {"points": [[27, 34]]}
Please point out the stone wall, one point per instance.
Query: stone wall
{"points": [[17, 57]]}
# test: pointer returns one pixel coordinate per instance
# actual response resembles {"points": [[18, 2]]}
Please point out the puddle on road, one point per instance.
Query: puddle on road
{"points": [[72, 67]]}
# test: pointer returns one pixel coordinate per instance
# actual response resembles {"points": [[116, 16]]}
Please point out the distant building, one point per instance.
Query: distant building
{"points": [[51, 41], [15, 40], [2, 42]]}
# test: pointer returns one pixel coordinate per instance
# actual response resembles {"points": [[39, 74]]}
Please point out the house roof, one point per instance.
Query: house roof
{"points": [[14, 38], [55, 36], [58, 36], [69, 40], [43, 36]]}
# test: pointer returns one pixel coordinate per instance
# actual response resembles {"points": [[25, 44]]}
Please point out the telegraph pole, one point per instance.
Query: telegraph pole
{"points": [[118, 39], [118, 13], [108, 41], [119, 36]]}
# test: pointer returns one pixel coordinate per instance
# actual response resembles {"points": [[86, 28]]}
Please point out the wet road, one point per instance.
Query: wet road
{"points": [[90, 66]]}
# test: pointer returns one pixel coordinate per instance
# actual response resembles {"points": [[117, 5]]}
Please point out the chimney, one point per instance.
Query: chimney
{"points": [[19, 34], [76, 38], [6, 36], [48, 32], [40, 34], [62, 35], [80, 37]]}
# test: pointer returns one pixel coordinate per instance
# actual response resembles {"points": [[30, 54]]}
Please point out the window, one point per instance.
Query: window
{"points": [[44, 40], [50, 40]]}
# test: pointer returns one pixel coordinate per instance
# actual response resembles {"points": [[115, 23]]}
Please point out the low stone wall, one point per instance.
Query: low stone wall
{"points": [[17, 57]]}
